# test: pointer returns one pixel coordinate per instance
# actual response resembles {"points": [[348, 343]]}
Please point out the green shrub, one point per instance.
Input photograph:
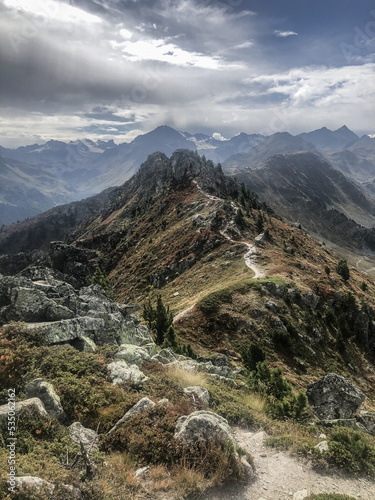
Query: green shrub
{"points": [[350, 450], [229, 403], [251, 353], [343, 270], [211, 303]]}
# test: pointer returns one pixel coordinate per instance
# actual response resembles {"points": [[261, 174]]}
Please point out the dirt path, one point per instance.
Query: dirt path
{"points": [[250, 261], [280, 476]]}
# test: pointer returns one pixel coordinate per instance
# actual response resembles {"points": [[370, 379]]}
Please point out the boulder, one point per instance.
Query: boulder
{"points": [[43, 390], [37, 483], [121, 372], [165, 356], [132, 354], [322, 446], [310, 299], [334, 397], [367, 419], [261, 239], [203, 427], [221, 360], [32, 404], [87, 437], [141, 407], [197, 393], [271, 306]]}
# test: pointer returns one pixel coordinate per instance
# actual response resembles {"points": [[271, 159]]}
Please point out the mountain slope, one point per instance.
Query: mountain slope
{"points": [[304, 188], [26, 190], [328, 140], [279, 143]]}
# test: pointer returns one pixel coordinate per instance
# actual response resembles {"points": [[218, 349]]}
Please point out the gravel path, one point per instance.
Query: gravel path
{"points": [[280, 476]]}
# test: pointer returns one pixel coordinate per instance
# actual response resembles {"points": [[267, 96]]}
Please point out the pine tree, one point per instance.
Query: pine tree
{"points": [[343, 270]]}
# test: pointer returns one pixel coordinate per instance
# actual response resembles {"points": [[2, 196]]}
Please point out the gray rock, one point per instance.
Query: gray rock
{"points": [[142, 472], [310, 299], [88, 437], [132, 354], [280, 291], [322, 446], [142, 406], [221, 360], [43, 390], [28, 404], [203, 427], [272, 306], [367, 419], [37, 483], [121, 372], [165, 356], [334, 397], [197, 393], [271, 287], [261, 239]]}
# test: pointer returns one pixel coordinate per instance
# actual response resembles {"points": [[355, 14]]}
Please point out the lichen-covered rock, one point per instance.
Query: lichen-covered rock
{"points": [[334, 397], [203, 427], [121, 372], [367, 419], [43, 390], [37, 483], [33, 404], [80, 434], [165, 356], [132, 354], [141, 407], [310, 299], [197, 393]]}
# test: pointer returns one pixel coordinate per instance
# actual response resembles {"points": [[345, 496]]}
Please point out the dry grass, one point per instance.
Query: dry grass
{"points": [[186, 378], [187, 481], [256, 402]]}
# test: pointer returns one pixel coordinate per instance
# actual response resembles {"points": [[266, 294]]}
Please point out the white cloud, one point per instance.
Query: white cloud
{"points": [[218, 136], [54, 10], [126, 34], [284, 34], [160, 50]]}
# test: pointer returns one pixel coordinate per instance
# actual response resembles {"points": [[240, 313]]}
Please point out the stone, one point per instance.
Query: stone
{"points": [[197, 393], [272, 306], [261, 239], [221, 360], [322, 446], [132, 354], [367, 419], [32, 404], [333, 397], [163, 402], [203, 427], [142, 406], [37, 483], [165, 356], [142, 472], [121, 372], [88, 437], [45, 391], [310, 299]]}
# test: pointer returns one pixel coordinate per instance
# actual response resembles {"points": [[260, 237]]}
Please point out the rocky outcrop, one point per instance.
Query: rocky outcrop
{"points": [[142, 406], [367, 419], [43, 390], [202, 427], [133, 354], [198, 394], [36, 483], [32, 404], [121, 372], [334, 397], [87, 437], [83, 318]]}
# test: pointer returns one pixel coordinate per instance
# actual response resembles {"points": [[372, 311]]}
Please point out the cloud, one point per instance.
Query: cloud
{"points": [[284, 34], [52, 9]]}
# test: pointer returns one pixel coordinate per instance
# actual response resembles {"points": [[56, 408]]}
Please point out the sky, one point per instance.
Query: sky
{"points": [[114, 69]]}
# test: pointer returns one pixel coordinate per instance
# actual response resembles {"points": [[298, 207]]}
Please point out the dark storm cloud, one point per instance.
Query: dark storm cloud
{"points": [[109, 66]]}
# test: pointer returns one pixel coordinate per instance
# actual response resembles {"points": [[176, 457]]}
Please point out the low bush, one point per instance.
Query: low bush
{"points": [[329, 496], [351, 450]]}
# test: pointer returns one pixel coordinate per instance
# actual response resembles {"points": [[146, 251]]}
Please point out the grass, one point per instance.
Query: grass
{"points": [[186, 378], [330, 496]]}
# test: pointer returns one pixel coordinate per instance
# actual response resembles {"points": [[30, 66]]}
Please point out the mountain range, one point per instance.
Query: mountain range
{"points": [[64, 172]]}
